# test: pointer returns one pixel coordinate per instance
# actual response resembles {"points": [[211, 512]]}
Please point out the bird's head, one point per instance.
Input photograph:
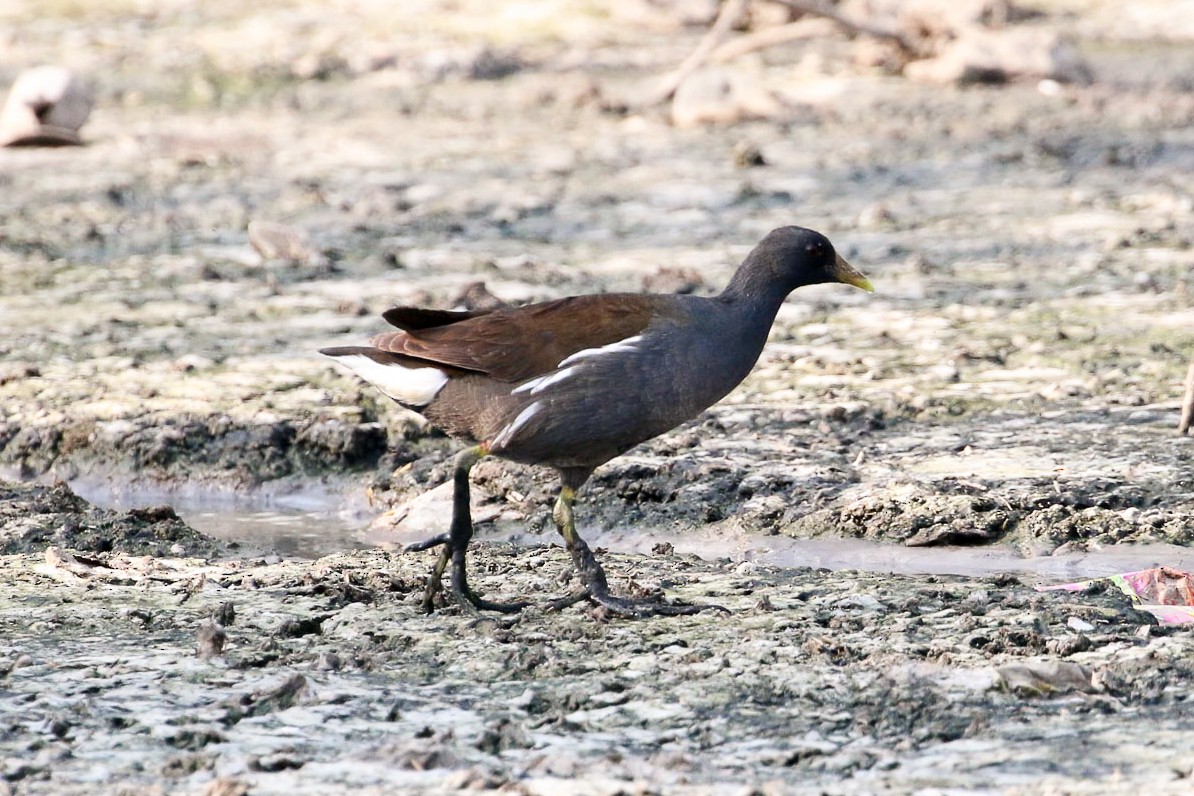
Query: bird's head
{"points": [[796, 257]]}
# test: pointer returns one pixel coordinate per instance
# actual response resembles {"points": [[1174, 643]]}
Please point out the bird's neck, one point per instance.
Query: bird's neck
{"points": [[755, 295]]}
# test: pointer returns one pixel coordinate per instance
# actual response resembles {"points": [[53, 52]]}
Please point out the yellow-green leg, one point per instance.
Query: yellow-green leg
{"points": [[593, 575]]}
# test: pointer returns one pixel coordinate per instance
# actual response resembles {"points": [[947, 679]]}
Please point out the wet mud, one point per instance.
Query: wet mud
{"points": [[145, 674]]}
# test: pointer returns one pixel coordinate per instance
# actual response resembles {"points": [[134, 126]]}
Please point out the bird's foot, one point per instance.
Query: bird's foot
{"points": [[473, 601], [437, 596], [596, 584], [457, 592]]}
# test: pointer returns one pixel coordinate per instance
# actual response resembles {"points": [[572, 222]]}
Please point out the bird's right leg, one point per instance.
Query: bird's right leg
{"points": [[592, 574], [455, 543]]}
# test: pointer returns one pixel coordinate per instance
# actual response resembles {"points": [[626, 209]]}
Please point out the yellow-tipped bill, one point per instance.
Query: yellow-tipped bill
{"points": [[849, 275]]}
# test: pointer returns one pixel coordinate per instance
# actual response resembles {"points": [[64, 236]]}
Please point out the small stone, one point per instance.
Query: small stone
{"points": [[58, 727], [46, 106], [278, 241], [490, 64], [210, 640], [329, 662], [996, 56], [529, 700], [978, 598], [721, 95], [319, 66], [1045, 678], [472, 779], [188, 363], [275, 762], [1079, 625], [746, 568], [861, 602], [226, 786], [875, 216], [946, 372], [18, 371], [1050, 87], [747, 155], [476, 296], [1067, 645], [475, 63], [422, 194], [226, 614]]}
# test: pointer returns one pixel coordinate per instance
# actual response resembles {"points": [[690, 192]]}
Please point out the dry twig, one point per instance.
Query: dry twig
{"points": [[712, 48], [819, 9], [1187, 402], [760, 40], [730, 11]]}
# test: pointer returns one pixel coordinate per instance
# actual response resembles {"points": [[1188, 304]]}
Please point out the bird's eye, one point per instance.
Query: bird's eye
{"points": [[813, 247]]}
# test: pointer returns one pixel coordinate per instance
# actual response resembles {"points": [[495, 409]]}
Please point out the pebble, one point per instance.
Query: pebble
{"points": [[722, 95], [978, 598], [329, 662], [210, 640], [861, 602], [189, 363]]}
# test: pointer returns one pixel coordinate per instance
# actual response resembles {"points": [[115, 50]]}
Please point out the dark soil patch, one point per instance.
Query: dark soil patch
{"points": [[34, 517]]}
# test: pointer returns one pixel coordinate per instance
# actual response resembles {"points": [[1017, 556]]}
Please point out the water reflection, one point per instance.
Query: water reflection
{"points": [[319, 520]]}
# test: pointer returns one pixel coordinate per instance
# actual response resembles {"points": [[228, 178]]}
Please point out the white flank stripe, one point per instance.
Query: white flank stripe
{"points": [[508, 432], [621, 345], [413, 386], [535, 386]]}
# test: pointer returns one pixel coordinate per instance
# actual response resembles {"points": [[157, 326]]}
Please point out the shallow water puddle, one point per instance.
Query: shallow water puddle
{"points": [[307, 524], [317, 521], [869, 556]]}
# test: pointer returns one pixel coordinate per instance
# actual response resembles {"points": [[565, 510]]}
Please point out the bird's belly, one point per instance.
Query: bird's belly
{"points": [[589, 429]]}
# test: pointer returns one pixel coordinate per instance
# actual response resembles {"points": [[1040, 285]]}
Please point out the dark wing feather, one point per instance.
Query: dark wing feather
{"points": [[413, 318], [515, 344]]}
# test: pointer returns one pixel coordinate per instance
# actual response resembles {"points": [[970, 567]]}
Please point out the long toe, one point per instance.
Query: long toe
{"points": [[439, 594], [427, 544], [471, 598], [639, 608]]}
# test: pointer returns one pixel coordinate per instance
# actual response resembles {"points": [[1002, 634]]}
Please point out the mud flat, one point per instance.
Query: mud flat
{"points": [[326, 677], [1012, 387]]}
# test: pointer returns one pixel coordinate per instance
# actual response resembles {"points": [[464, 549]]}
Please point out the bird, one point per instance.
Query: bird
{"points": [[575, 382]]}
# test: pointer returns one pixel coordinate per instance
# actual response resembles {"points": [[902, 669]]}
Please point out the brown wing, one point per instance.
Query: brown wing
{"points": [[521, 342]]}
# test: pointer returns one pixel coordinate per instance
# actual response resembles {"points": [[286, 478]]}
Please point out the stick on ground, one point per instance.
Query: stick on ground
{"points": [[1187, 402], [713, 46], [730, 11], [820, 9]]}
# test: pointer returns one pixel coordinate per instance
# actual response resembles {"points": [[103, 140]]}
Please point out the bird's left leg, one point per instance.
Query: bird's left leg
{"points": [[455, 543]]}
